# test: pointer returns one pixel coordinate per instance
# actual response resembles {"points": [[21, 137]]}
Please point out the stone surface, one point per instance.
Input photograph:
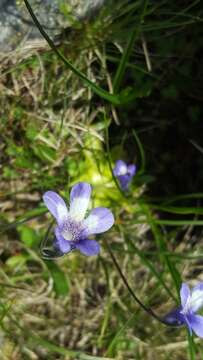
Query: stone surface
{"points": [[16, 26]]}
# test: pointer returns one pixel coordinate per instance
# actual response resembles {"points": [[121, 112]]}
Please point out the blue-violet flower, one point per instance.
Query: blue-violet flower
{"points": [[124, 173], [73, 229], [191, 302]]}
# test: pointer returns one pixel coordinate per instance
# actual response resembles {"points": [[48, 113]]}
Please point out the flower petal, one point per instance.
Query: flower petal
{"points": [[61, 243], [132, 169], [79, 200], [196, 323], [124, 181], [88, 247], [196, 301], [56, 206], [120, 168], [174, 318], [184, 294], [99, 220]]}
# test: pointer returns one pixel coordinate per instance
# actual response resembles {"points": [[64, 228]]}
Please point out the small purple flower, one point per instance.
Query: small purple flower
{"points": [[73, 229], [191, 302], [124, 173]]}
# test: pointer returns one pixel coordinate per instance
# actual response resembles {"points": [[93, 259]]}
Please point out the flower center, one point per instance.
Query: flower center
{"points": [[72, 230]]}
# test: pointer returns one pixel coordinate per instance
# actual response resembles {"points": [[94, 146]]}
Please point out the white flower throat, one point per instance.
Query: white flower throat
{"points": [[72, 230]]}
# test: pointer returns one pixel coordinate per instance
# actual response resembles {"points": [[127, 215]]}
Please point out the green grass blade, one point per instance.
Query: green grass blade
{"points": [[192, 196], [179, 210], [60, 281], [142, 153], [128, 50], [29, 215], [119, 333], [161, 246], [179, 222], [152, 269], [173, 222], [52, 348]]}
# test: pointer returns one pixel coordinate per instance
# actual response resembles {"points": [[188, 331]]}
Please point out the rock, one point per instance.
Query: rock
{"points": [[17, 28], [86, 8]]}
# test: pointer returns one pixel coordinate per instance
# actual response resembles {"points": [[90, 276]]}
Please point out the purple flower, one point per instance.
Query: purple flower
{"points": [[73, 229], [124, 173], [191, 302]]}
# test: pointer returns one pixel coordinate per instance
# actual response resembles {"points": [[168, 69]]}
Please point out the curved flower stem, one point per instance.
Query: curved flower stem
{"points": [[112, 98], [148, 310], [45, 252]]}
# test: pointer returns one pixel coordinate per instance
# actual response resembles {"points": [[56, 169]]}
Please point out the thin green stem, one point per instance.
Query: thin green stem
{"points": [[191, 347]]}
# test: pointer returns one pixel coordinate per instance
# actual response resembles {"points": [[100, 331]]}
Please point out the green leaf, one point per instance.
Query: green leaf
{"points": [[61, 285], [24, 161], [31, 132], [45, 153], [28, 235]]}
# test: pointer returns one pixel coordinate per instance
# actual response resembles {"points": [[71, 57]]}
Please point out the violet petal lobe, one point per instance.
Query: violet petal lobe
{"points": [[120, 168], [184, 294], [79, 200], [196, 301], [61, 243], [99, 220], [56, 205], [174, 318], [131, 170], [88, 247], [196, 323]]}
